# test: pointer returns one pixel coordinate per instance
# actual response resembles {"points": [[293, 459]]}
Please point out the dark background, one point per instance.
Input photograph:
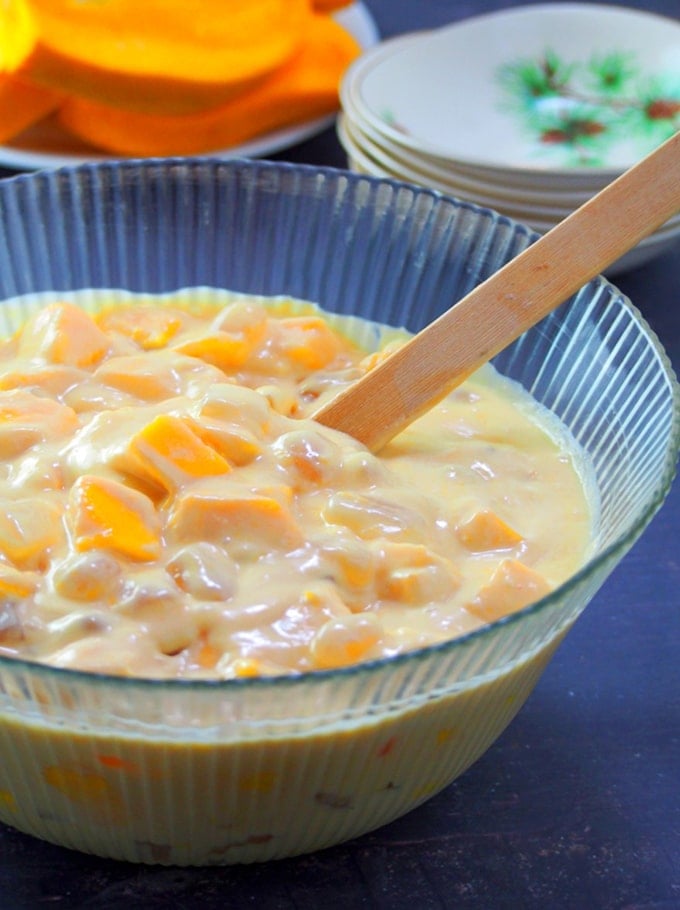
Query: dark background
{"points": [[576, 806]]}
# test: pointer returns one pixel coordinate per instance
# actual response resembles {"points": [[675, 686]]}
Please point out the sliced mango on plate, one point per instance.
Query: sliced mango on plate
{"points": [[164, 56], [303, 88]]}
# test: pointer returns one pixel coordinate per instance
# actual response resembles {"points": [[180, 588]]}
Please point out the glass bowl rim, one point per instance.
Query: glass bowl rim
{"points": [[417, 656]]}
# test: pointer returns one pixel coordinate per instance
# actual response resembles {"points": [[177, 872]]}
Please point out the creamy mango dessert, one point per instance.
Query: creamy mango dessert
{"points": [[175, 524], [171, 509]]}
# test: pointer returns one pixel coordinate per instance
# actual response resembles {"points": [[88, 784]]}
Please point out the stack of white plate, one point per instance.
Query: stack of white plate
{"points": [[529, 111]]}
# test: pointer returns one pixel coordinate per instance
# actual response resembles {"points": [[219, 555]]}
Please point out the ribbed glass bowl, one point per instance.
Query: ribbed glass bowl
{"points": [[200, 772]]}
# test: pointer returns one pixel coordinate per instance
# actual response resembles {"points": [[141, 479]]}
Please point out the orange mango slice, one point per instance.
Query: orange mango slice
{"points": [[22, 104], [105, 514], [303, 88], [168, 452], [166, 56]]}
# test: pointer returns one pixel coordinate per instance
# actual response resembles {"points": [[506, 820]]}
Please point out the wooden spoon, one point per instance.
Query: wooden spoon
{"points": [[496, 312]]}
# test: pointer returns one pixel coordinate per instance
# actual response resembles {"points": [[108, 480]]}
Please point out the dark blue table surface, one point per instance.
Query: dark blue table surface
{"points": [[577, 805]]}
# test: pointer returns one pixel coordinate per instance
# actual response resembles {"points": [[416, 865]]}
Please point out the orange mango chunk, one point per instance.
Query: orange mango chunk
{"points": [[226, 350], [486, 531], [51, 379], [512, 587], [87, 577], [155, 375], [26, 419], [234, 442], [308, 341], [302, 88], [149, 327], [14, 584], [169, 453], [107, 515], [230, 403], [349, 562], [256, 523], [414, 574], [245, 317], [64, 333], [342, 642], [29, 529]]}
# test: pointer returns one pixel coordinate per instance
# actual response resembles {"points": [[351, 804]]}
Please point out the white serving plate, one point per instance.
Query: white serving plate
{"points": [[423, 169], [460, 93], [648, 249]]}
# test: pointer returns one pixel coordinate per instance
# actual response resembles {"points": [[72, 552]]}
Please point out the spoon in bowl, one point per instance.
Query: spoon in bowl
{"points": [[437, 359]]}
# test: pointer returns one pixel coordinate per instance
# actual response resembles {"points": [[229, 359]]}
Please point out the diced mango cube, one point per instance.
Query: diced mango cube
{"points": [[233, 403], [414, 574], [156, 375], [417, 585], [29, 530], [88, 577], [370, 516], [342, 642], [234, 442], [224, 350], [26, 419], [150, 327], [487, 531], [350, 562], [64, 333], [513, 586], [311, 457], [204, 570], [15, 584], [168, 452], [253, 523], [53, 379], [105, 514], [245, 317], [309, 341]]}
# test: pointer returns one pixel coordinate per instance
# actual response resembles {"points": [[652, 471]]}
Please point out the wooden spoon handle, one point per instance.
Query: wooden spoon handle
{"points": [[496, 312]]}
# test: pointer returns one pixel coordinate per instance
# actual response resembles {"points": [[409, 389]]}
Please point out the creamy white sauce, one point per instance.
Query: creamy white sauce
{"points": [[169, 508]]}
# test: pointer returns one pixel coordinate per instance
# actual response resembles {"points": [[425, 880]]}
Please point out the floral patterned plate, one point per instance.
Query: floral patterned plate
{"points": [[583, 88]]}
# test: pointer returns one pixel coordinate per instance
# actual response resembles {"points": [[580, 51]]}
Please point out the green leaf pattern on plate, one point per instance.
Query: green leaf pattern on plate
{"points": [[574, 112]]}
